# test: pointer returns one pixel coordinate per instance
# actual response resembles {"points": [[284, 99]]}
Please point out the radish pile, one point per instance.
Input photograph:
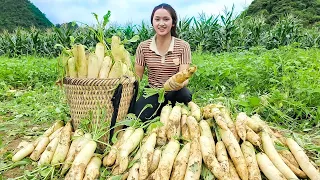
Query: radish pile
{"points": [[99, 63], [71, 152], [188, 143]]}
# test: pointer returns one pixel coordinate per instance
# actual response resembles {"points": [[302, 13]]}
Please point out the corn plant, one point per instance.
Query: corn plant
{"points": [[214, 34], [286, 31], [144, 31], [250, 31], [311, 38], [206, 33], [228, 29], [64, 34]]}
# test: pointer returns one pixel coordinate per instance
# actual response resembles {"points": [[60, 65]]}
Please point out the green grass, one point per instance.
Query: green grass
{"points": [[27, 89], [27, 72], [283, 85]]}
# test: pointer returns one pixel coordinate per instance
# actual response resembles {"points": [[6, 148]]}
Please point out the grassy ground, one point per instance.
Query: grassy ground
{"points": [[281, 85]]}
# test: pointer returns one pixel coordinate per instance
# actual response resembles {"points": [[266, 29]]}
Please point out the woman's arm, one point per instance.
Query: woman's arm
{"points": [[139, 71], [140, 63], [185, 60]]}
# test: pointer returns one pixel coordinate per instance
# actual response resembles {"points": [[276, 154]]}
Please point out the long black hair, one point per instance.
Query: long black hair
{"points": [[173, 16]]}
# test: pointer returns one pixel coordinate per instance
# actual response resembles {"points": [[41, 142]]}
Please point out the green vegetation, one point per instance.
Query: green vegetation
{"points": [[245, 62], [27, 89], [307, 11], [282, 84], [21, 13], [211, 34]]}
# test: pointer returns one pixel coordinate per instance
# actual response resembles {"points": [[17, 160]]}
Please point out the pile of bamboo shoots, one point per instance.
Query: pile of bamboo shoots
{"points": [[188, 142], [101, 64]]}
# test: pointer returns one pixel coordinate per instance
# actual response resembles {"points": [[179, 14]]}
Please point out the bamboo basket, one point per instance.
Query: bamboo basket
{"points": [[85, 95]]}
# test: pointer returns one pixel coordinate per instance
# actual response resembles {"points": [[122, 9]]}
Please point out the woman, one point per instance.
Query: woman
{"points": [[164, 55]]}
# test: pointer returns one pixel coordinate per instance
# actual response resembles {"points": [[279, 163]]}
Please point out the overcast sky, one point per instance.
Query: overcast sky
{"points": [[126, 11]]}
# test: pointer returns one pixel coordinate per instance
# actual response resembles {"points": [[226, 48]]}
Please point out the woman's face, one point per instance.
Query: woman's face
{"points": [[162, 22]]}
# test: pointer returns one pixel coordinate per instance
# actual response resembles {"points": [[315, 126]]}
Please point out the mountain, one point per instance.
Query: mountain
{"points": [[306, 10], [14, 13]]}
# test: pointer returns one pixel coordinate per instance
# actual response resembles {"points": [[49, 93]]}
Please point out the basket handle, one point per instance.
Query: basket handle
{"points": [[115, 103]]}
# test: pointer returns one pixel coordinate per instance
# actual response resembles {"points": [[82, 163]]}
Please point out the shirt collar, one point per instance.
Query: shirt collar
{"points": [[153, 45]]}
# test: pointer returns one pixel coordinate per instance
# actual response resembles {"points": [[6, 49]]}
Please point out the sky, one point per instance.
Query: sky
{"points": [[130, 11]]}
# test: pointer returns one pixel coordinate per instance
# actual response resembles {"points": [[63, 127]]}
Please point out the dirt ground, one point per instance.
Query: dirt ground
{"points": [[11, 137]]}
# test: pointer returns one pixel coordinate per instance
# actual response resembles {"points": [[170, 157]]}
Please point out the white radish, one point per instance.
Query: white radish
{"points": [[155, 160], [105, 67], [127, 147], [137, 156], [253, 137], [47, 155], [74, 148], [194, 128], [173, 124], [195, 161], [110, 159], [184, 127], [167, 159], [295, 169], [226, 117], [93, 169], [72, 67], [146, 155], [241, 125], [289, 156], [23, 152], [81, 161], [93, 66], [303, 159], [222, 157], [55, 134], [164, 118], [58, 124], [195, 110], [205, 130], [250, 156], [180, 163], [273, 155], [134, 172], [40, 148], [267, 167], [63, 146], [233, 172], [266, 128], [210, 159], [100, 51], [219, 119], [21, 145], [255, 125], [235, 152]]}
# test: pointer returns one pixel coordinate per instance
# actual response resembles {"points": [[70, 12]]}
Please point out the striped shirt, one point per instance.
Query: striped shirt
{"points": [[161, 68]]}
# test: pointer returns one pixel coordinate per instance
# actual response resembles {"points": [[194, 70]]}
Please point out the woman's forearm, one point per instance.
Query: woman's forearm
{"points": [[139, 71]]}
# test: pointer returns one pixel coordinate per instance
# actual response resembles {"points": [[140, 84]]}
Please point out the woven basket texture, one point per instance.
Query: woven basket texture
{"points": [[85, 95]]}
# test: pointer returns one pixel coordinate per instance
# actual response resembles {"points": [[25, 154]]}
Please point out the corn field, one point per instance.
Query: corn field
{"points": [[214, 34]]}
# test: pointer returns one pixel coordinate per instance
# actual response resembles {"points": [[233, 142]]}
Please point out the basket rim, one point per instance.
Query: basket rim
{"points": [[98, 82]]}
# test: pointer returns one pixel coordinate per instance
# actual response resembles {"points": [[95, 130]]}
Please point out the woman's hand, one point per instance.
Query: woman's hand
{"points": [[177, 86]]}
